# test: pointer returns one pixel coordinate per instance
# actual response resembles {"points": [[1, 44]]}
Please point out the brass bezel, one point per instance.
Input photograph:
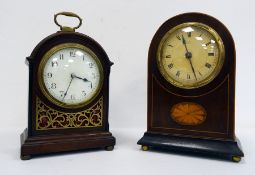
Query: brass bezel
{"points": [[43, 62], [212, 75]]}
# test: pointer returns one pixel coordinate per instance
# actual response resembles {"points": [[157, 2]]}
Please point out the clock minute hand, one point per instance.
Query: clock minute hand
{"points": [[188, 55], [192, 68], [184, 43], [72, 76]]}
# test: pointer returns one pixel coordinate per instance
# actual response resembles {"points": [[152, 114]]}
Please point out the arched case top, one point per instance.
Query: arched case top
{"points": [[228, 68], [68, 37], [37, 97], [62, 38]]}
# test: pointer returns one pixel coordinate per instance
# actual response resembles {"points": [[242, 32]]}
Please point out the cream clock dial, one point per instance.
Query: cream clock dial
{"points": [[71, 74], [190, 55]]}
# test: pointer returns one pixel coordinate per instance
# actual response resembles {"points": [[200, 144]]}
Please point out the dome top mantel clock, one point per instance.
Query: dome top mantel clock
{"points": [[191, 88], [68, 94]]}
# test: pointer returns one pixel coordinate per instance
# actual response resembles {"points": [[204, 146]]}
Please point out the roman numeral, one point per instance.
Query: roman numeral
{"points": [[211, 54], [170, 45], [168, 56], [208, 43], [208, 65], [200, 73], [188, 76], [170, 66], [178, 37], [177, 73], [189, 34]]}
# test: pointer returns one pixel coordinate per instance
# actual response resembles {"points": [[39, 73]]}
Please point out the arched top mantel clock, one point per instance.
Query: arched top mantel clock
{"points": [[68, 94], [191, 88]]}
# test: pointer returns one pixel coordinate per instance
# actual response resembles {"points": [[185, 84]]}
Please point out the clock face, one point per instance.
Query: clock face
{"points": [[71, 75], [190, 55]]}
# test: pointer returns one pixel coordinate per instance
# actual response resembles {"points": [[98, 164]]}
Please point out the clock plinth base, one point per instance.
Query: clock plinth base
{"points": [[45, 144], [229, 150]]}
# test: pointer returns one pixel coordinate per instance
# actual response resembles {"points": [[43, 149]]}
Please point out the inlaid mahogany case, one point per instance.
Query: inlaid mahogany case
{"points": [[215, 136], [53, 128]]}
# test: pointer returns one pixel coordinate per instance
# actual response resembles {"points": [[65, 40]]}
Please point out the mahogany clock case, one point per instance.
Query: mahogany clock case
{"points": [[34, 141], [216, 136]]}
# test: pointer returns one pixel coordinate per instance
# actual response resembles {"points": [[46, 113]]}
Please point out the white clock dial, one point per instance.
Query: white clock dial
{"points": [[72, 75]]}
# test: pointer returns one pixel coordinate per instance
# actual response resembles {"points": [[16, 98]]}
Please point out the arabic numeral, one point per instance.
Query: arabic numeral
{"points": [[72, 97], [72, 53], [53, 86], [49, 75], [61, 56], [62, 93], [91, 65]]}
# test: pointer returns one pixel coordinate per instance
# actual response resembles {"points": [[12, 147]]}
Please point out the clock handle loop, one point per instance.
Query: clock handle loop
{"points": [[68, 14]]}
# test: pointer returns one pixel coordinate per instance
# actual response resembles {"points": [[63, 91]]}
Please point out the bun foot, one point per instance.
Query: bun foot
{"points": [[109, 148], [145, 148], [236, 158], [25, 157]]}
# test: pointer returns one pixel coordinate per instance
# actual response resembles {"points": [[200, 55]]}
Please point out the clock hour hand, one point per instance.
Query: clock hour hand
{"points": [[84, 79], [188, 54]]}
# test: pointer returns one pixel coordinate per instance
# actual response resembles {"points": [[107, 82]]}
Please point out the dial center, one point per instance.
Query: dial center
{"points": [[188, 55]]}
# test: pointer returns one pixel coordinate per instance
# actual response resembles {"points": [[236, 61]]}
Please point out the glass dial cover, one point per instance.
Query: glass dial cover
{"points": [[190, 55], [71, 75]]}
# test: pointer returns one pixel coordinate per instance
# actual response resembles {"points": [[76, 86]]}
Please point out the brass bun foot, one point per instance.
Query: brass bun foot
{"points": [[109, 148], [236, 158], [145, 148]]}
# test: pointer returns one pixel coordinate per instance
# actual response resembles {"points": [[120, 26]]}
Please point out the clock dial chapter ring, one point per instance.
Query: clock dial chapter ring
{"points": [[183, 53], [72, 79]]}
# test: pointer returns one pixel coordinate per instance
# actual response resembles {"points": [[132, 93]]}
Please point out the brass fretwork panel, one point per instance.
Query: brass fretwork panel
{"points": [[48, 118]]}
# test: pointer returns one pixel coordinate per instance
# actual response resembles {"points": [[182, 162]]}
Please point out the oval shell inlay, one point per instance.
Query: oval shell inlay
{"points": [[188, 113]]}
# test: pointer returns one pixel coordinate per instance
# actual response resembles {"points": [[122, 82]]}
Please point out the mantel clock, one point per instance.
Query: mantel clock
{"points": [[68, 94], [191, 88]]}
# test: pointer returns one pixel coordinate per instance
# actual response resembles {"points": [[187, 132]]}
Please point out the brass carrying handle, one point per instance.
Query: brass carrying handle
{"points": [[69, 14]]}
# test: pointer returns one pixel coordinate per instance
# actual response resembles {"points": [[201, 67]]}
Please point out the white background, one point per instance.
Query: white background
{"points": [[124, 29]]}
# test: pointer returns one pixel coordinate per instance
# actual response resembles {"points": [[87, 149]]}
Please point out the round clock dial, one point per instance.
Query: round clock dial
{"points": [[190, 55], [71, 75]]}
